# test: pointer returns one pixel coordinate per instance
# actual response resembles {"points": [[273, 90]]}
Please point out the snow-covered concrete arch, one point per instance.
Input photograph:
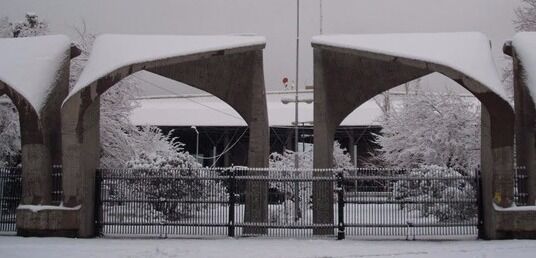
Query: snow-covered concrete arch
{"points": [[34, 74], [229, 67], [351, 69]]}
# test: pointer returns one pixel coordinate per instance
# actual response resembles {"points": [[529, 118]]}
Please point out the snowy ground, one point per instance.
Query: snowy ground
{"points": [[13, 247]]}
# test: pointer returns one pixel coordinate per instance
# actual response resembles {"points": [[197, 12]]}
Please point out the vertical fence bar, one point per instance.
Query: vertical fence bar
{"points": [[480, 204], [340, 204], [231, 217], [98, 203]]}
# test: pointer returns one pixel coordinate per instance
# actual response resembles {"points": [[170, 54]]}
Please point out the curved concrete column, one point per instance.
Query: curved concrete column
{"points": [[233, 74], [345, 78]]}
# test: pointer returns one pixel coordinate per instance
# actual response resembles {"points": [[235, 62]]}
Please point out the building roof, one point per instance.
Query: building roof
{"points": [[207, 110]]}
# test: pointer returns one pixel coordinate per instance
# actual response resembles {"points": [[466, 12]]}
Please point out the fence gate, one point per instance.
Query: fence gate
{"points": [[425, 203]]}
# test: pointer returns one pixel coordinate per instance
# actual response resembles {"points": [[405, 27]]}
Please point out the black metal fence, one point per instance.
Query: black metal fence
{"points": [[432, 202], [426, 202], [10, 194], [520, 186]]}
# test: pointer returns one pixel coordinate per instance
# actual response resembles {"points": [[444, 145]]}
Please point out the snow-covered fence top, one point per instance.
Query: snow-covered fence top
{"points": [[111, 52], [31, 66], [525, 44], [466, 52]]}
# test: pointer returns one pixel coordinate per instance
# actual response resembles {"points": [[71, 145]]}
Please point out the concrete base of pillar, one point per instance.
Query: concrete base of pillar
{"points": [[47, 222], [516, 224]]}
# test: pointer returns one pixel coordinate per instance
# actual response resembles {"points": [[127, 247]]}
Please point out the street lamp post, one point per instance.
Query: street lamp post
{"points": [[196, 143]]}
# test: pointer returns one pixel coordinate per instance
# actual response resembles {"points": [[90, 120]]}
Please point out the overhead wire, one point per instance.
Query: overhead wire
{"points": [[229, 145]]}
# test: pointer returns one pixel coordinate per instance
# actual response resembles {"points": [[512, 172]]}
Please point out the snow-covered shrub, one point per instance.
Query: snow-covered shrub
{"points": [[449, 187], [156, 179]]}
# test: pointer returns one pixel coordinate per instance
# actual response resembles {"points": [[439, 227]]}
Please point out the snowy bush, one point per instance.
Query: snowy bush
{"points": [[434, 190], [156, 180]]}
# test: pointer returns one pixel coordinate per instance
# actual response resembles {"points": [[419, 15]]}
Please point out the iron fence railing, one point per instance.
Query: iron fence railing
{"points": [[203, 201], [409, 203], [366, 202], [520, 186], [10, 194]]}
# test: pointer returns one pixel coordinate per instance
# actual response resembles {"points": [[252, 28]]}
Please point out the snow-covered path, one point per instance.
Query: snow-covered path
{"points": [[58, 247]]}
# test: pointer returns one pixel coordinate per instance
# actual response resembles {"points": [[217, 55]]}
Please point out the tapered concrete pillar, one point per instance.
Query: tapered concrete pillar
{"points": [[525, 126]]}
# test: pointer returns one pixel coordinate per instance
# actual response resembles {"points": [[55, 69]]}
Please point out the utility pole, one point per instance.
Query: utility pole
{"points": [[297, 213]]}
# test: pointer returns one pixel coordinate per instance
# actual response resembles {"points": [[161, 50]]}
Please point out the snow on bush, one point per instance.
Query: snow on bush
{"points": [[283, 166], [157, 179], [427, 187]]}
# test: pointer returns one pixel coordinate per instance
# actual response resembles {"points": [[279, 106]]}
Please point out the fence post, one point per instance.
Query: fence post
{"points": [[340, 204], [480, 204], [98, 203], [231, 190]]}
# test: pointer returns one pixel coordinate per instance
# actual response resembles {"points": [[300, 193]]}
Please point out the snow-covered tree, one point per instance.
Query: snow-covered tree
{"points": [[30, 27], [431, 129], [526, 16], [5, 28], [9, 117], [9, 133], [120, 139], [525, 20]]}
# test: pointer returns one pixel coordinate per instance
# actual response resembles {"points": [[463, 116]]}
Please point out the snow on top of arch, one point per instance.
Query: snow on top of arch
{"points": [[524, 44], [30, 66], [113, 51], [467, 52]]}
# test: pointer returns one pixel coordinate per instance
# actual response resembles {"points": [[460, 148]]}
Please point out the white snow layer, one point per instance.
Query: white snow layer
{"points": [[14, 247], [514, 208], [466, 52], [31, 65], [111, 51], [38, 208], [524, 44]]}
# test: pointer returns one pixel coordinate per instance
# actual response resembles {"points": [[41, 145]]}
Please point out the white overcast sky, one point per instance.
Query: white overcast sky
{"points": [[275, 19]]}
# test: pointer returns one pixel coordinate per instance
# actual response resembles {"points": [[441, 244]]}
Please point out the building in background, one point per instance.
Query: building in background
{"points": [[223, 134]]}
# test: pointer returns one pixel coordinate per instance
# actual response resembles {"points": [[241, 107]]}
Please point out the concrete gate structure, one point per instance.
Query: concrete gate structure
{"points": [[229, 67], [525, 109], [34, 74], [351, 69]]}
